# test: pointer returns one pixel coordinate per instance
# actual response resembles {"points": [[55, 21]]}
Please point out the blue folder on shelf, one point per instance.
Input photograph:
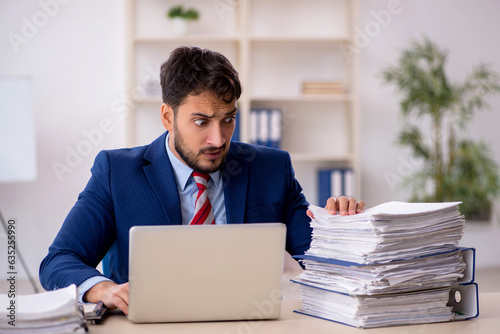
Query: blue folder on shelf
{"points": [[335, 182], [266, 127], [236, 133]]}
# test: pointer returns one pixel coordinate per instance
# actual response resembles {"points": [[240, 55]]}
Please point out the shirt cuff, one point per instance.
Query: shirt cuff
{"points": [[87, 284]]}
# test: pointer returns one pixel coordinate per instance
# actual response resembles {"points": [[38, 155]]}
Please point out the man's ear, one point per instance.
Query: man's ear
{"points": [[167, 116]]}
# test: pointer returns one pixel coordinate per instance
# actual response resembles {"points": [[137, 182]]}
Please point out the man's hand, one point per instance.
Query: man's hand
{"points": [[111, 294], [342, 205]]}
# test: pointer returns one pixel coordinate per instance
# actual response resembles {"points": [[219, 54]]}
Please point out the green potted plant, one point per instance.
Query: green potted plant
{"points": [[181, 17], [435, 113]]}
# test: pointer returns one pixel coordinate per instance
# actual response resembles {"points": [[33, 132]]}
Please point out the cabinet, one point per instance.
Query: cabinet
{"points": [[275, 46]]}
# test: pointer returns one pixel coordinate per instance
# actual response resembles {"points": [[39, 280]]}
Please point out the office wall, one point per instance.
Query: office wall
{"points": [[73, 51], [466, 29], [75, 58]]}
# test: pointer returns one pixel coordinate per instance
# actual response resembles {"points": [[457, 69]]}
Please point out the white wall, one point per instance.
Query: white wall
{"points": [[466, 29], [74, 53], [76, 61]]}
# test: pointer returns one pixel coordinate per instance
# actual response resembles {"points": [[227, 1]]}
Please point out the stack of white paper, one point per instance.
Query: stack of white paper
{"points": [[47, 312], [387, 232], [393, 264], [379, 310], [398, 276]]}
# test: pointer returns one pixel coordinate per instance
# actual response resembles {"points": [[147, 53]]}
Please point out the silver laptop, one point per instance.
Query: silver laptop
{"points": [[206, 273]]}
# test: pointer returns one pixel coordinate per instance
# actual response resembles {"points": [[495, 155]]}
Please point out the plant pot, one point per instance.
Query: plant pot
{"points": [[180, 26]]}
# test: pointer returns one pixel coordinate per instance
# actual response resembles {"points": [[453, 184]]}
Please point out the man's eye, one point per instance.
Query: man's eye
{"points": [[200, 122], [230, 119]]}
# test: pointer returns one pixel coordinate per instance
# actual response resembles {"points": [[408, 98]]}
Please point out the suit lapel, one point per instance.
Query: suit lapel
{"points": [[160, 175], [235, 176]]}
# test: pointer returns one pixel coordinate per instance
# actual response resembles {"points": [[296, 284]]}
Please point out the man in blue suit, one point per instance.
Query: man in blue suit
{"points": [[153, 184]]}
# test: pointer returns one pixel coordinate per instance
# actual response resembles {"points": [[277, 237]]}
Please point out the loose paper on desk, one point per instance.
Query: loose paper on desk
{"points": [[52, 312]]}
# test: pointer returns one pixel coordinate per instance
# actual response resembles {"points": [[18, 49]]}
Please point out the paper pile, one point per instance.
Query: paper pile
{"points": [[47, 312], [398, 276], [393, 264], [387, 232]]}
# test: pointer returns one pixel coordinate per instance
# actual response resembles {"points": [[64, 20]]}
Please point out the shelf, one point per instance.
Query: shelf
{"points": [[299, 39], [321, 157], [189, 39], [304, 98], [274, 55]]}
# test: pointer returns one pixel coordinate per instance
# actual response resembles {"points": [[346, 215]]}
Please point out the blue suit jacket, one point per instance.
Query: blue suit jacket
{"points": [[137, 187]]}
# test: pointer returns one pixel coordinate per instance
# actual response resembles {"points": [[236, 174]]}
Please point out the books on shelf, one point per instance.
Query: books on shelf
{"points": [[52, 312], [394, 264], [335, 182], [266, 127], [322, 87]]}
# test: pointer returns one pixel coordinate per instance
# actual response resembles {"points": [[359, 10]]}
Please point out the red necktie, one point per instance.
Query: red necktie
{"points": [[203, 213]]}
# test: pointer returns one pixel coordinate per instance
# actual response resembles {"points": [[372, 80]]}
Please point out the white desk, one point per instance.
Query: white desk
{"points": [[291, 323]]}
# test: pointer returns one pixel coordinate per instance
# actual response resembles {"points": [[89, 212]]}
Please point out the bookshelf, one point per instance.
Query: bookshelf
{"points": [[275, 46]]}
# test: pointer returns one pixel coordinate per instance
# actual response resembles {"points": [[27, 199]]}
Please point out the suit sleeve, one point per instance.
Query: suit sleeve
{"points": [[86, 234], [298, 223]]}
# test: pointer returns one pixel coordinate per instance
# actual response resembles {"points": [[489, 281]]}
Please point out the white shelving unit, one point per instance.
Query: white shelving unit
{"points": [[275, 46]]}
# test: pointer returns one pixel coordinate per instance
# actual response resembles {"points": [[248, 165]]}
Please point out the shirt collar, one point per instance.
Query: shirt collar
{"points": [[182, 172]]}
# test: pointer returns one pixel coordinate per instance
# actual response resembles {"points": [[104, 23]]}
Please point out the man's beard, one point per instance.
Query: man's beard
{"points": [[191, 159]]}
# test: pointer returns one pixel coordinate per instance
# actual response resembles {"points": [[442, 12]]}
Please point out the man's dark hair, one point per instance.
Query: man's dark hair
{"points": [[191, 71]]}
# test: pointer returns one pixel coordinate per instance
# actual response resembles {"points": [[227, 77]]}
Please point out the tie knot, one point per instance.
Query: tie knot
{"points": [[201, 178]]}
